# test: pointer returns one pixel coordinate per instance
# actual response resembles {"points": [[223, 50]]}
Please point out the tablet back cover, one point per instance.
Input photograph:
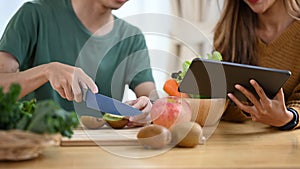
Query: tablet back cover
{"points": [[214, 79]]}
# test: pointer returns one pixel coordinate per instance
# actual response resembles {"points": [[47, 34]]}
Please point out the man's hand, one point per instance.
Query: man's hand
{"points": [[142, 103], [68, 80]]}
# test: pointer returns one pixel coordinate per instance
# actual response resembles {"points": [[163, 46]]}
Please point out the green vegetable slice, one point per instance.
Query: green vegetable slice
{"points": [[112, 117]]}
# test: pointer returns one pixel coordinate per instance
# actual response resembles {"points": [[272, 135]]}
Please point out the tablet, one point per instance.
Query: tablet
{"points": [[214, 79]]}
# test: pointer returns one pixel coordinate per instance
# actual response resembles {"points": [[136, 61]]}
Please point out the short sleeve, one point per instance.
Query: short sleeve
{"points": [[139, 63]]}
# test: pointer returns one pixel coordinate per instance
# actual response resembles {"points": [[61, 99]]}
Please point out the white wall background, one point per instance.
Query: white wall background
{"points": [[7, 9], [157, 45]]}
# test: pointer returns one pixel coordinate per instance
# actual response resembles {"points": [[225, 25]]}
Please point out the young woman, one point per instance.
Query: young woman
{"points": [[264, 33]]}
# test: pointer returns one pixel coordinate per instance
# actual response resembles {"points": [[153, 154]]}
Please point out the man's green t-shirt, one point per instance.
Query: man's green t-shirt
{"points": [[44, 31]]}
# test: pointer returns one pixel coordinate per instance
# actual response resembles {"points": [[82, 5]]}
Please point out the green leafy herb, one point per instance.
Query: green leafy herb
{"points": [[10, 112], [50, 118], [39, 117], [215, 56]]}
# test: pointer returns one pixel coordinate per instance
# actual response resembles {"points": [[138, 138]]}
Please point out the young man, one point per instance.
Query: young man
{"points": [[54, 48]]}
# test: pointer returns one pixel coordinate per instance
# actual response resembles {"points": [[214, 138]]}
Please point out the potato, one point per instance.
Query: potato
{"points": [[154, 136], [187, 134]]}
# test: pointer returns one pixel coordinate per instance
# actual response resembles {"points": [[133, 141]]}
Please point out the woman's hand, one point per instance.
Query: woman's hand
{"points": [[268, 111], [69, 80], [142, 103]]}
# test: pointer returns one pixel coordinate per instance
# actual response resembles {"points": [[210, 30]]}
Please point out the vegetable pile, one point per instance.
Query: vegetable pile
{"points": [[38, 117], [171, 85]]}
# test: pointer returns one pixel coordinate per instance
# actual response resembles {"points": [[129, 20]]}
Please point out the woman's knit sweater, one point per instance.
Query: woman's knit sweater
{"points": [[282, 53]]}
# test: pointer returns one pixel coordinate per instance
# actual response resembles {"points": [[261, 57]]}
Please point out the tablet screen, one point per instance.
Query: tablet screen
{"points": [[214, 79]]}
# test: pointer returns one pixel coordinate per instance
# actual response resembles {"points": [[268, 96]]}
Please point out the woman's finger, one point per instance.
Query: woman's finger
{"points": [[234, 99], [237, 102], [280, 96], [260, 92], [250, 96]]}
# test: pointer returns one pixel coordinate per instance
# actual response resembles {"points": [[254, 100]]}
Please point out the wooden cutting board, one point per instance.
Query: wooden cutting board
{"points": [[104, 136]]}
